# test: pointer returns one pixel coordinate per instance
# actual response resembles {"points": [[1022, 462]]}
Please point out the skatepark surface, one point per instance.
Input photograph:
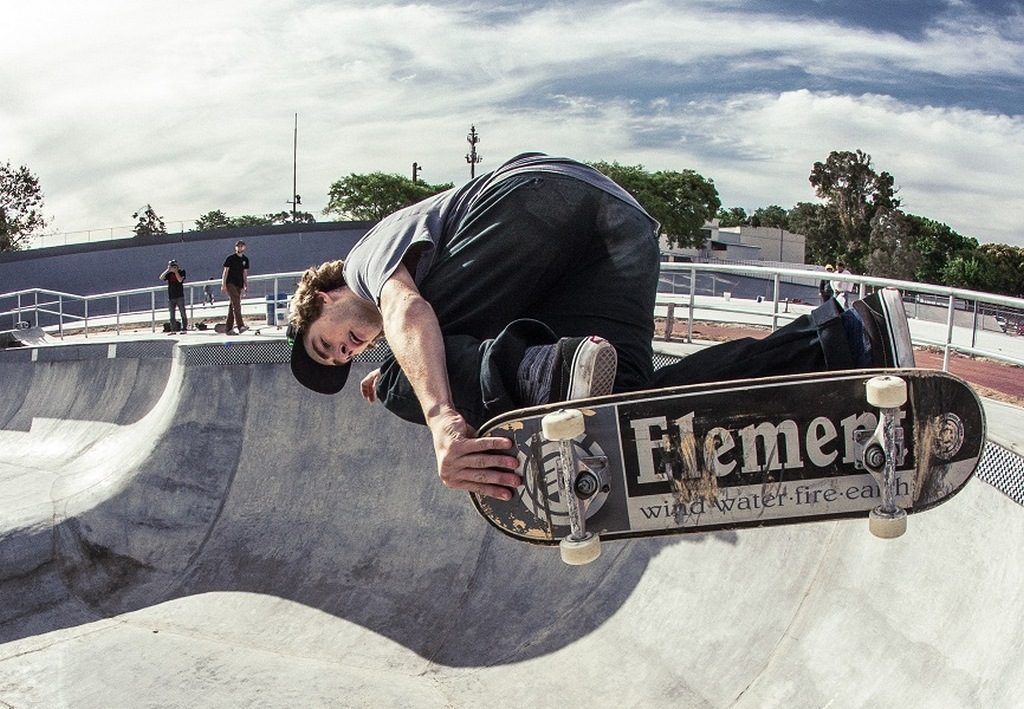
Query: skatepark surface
{"points": [[183, 526]]}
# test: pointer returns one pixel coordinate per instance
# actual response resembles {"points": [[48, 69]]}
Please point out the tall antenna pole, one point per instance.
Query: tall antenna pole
{"points": [[471, 157], [295, 169]]}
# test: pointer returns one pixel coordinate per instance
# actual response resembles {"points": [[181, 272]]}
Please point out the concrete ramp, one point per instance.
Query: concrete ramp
{"points": [[266, 546]]}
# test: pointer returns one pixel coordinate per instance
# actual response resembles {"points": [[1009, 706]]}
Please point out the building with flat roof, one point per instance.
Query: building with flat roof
{"points": [[770, 245]]}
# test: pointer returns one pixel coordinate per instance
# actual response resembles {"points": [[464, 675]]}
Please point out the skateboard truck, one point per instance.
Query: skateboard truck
{"points": [[576, 483], [880, 451]]}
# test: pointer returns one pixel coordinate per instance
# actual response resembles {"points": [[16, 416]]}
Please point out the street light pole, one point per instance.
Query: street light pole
{"points": [[471, 157], [295, 169]]}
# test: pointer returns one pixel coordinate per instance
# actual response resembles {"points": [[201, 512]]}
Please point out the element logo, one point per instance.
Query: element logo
{"points": [[949, 436], [541, 493]]}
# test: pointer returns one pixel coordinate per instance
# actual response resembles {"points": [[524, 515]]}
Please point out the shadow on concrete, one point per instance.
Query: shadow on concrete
{"points": [[261, 487]]}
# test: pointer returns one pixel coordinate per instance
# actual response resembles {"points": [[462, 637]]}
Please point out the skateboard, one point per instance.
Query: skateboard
{"points": [[221, 328], [874, 443]]}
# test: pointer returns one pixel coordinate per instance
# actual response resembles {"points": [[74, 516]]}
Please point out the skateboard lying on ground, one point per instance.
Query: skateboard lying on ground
{"points": [[781, 450]]}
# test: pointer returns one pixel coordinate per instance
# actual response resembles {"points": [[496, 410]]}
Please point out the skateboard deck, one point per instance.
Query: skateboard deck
{"points": [[747, 453]]}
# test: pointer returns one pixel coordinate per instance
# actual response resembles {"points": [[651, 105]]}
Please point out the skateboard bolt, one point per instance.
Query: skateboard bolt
{"points": [[874, 457], [586, 485]]}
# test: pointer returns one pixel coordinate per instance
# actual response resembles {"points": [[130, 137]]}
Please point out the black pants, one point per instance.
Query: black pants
{"points": [[179, 305]]}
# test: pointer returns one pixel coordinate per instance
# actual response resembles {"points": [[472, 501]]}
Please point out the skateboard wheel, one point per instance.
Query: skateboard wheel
{"points": [[577, 552], [887, 525], [887, 392], [563, 425]]}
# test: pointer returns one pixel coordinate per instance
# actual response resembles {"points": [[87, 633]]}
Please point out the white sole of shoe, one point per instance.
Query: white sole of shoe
{"points": [[899, 329], [593, 369]]}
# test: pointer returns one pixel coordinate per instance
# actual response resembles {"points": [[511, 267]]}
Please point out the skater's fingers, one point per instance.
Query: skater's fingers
{"points": [[487, 482], [495, 491], [368, 386]]}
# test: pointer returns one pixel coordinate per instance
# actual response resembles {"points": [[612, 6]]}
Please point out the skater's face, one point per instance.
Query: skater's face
{"points": [[347, 326]]}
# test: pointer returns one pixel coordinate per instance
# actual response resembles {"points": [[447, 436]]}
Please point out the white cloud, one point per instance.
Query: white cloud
{"points": [[958, 166], [189, 106]]}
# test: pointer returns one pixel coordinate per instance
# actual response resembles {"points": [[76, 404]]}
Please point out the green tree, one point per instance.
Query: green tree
{"points": [[373, 196], [968, 270], [286, 218], [821, 227], [256, 220], [148, 223], [682, 201], [854, 192], [889, 249], [772, 216], [732, 216], [21, 204], [1006, 268], [215, 219], [937, 245]]}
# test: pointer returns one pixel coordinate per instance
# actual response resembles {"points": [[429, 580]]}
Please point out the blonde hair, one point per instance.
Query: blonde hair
{"points": [[306, 306]]}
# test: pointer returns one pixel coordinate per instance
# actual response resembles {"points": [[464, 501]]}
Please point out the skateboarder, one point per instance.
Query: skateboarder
{"points": [[234, 282], [530, 284]]}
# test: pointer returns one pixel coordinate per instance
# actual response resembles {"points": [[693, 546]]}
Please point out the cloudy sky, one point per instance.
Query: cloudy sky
{"points": [[189, 105]]}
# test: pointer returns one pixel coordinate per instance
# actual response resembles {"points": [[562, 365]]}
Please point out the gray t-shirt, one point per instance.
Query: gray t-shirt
{"points": [[376, 257]]}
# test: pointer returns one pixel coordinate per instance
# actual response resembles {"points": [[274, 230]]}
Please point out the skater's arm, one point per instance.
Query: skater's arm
{"points": [[412, 331]]}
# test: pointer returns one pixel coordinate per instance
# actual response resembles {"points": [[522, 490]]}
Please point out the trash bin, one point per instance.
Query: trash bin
{"points": [[277, 309]]}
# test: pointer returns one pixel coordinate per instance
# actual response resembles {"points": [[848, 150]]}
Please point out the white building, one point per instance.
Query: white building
{"points": [[769, 245]]}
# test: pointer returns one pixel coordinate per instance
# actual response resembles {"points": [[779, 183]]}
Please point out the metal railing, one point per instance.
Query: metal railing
{"points": [[954, 320], [60, 312], [88, 236], [957, 314]]}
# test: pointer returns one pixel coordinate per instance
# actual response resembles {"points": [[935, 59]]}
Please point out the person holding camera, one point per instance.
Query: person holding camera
{"points": [[175, 277]]}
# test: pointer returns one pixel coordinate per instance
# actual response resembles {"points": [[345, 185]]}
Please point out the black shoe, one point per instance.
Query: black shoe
{"points": [[886, 328], [583, 367]]}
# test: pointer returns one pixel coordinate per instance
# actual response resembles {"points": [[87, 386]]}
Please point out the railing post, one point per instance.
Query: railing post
{"points": [[689, 317], [949, 334], [86, 321], [117, 314], [775, 304], [669, 318], [974, 325], [152, 311], [60, 316]]}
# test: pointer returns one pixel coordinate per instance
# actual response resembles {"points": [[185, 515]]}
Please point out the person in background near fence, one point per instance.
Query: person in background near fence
{"points": [[531, 284], [825, 287], [234, 282], [843, 289], [175, 277]]}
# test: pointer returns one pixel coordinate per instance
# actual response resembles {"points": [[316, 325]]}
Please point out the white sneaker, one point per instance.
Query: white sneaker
{"points": [[584, 367]]}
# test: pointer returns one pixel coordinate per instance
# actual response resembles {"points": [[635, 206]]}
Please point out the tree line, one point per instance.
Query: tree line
{"points": [[858, 221]]}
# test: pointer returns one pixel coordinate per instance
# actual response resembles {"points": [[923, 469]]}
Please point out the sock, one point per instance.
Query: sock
{"points": [[533, 380]]}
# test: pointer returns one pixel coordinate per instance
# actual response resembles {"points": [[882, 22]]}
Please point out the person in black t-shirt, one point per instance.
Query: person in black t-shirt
{"points": [[175, 277], [234, 282]]}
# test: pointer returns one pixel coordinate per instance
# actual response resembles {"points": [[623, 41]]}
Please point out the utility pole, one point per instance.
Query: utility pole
{"points": [[296, 200], [416, 169], [471, 157]]}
